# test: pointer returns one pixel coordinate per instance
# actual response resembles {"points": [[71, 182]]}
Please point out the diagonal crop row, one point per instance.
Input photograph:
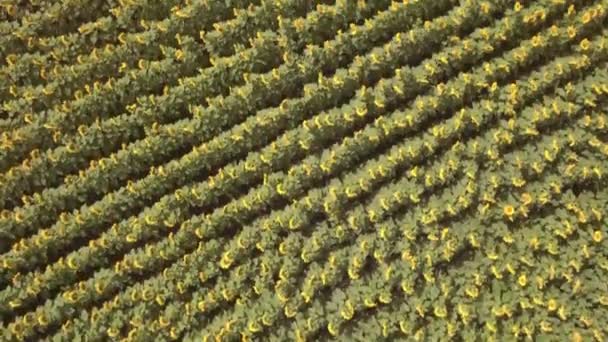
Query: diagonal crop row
{"points": [[327, 275], [410, 259], [520, 270], [248, 203], [105, 100], [219, 179], [221, 146], [194, 11], [127, 228], [115, 56], [564, 138], [287, 249], [94, 141], [20, 35], [269, 15], [292, 110], [106, 134], [46, 52], [442, 301], [442, 206], [191, 132], [79, 76]]}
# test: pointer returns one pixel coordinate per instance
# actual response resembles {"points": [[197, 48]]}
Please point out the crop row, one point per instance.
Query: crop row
{"points": [[145, 267]]}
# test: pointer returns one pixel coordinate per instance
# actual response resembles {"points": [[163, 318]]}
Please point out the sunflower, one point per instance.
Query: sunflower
{"points": [[597, 236], [509, 211]]}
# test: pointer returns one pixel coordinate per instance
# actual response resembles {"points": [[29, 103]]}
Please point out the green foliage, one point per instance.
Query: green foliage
{"points": [[303, 170]]}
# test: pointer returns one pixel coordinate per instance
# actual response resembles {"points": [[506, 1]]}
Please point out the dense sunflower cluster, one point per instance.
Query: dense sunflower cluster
{"points": [[303, 170]]}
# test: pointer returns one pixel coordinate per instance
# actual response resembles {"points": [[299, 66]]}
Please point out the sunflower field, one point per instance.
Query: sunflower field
{"points": [[304, 170]]}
